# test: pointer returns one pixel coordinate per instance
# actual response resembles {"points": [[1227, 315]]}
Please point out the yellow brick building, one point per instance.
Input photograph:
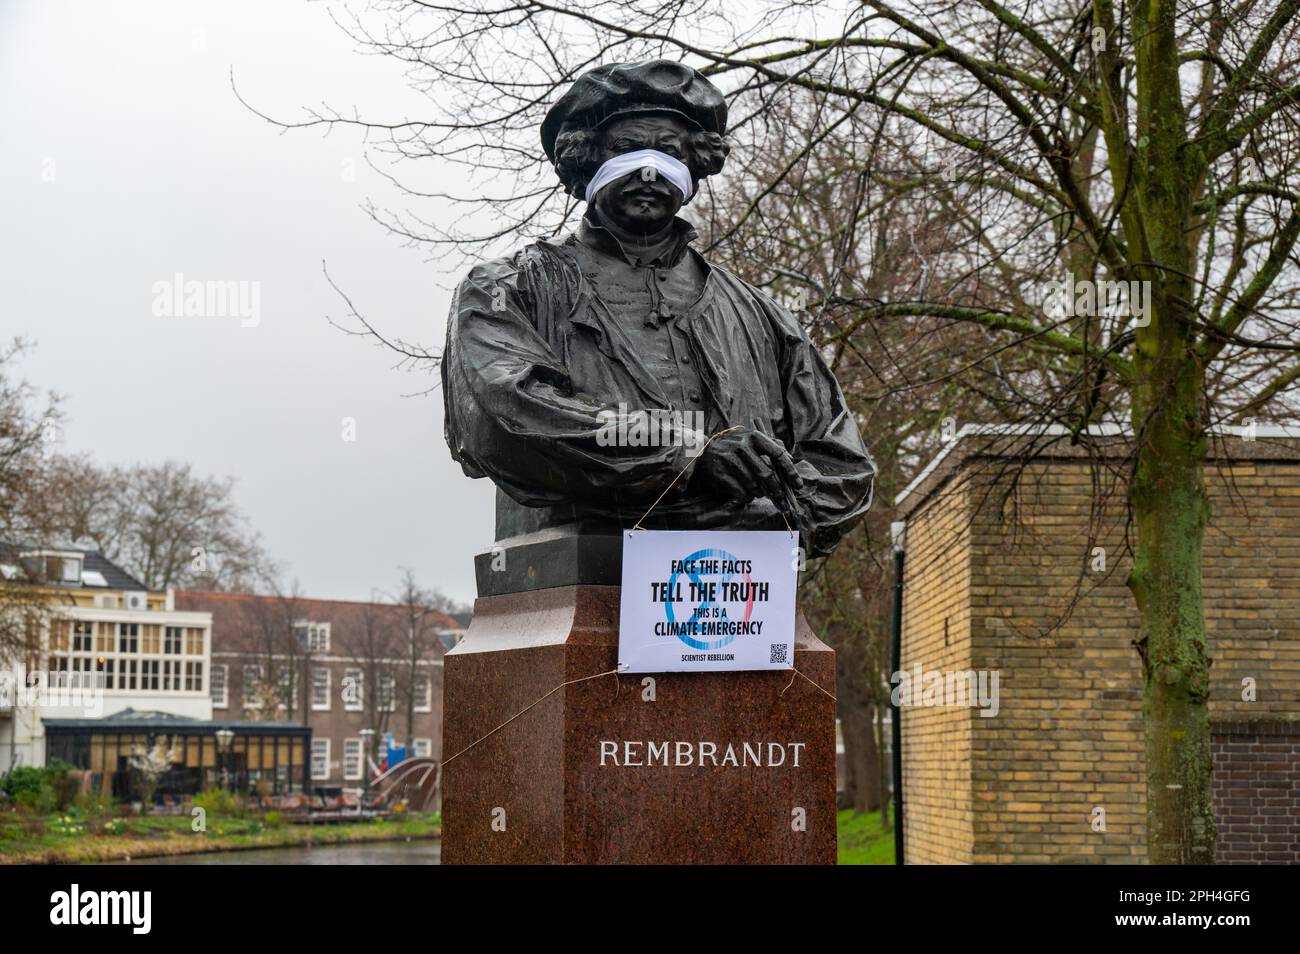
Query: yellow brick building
{"points": [[1011, 570]]}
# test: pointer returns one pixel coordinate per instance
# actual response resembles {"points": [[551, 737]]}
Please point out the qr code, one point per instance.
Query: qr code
{"points": [[780, 651]]}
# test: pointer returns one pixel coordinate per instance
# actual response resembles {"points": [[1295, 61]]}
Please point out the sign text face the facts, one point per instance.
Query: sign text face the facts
{"points": [[707, 601]]}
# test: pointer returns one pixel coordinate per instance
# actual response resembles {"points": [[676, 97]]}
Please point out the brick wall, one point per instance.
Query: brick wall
{"points": [[241, 623], [937, 741], [1257, 792], [1065, 753]]}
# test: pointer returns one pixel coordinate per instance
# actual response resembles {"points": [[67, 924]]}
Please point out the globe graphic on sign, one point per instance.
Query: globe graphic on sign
{"points": [[702, 611]]}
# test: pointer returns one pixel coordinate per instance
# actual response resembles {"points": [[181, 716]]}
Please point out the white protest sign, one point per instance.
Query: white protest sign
{"points": [[707, 600]]}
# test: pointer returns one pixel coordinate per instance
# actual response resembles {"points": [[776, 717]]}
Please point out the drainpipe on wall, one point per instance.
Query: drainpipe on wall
{"points": [[898, 533]]}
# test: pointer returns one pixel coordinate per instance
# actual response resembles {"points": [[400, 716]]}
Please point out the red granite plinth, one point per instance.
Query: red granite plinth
{"points": [[536, 790]]}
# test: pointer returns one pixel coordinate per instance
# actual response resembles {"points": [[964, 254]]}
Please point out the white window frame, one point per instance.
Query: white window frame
{"points": [[320, 633], [387, 690], [254, 703], [316, 705], [286, 681], [427, 704], [316, 777], [360, 676], [423, 744], [315, 637], [360, 759], [224, 702], [82, 630]]}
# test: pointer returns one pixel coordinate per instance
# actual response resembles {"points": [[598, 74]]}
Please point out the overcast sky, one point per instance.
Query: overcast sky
{"points": [[127, 159]]}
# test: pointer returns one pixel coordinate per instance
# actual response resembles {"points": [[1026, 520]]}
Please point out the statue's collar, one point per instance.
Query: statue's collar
{"points": [[594, 235]]}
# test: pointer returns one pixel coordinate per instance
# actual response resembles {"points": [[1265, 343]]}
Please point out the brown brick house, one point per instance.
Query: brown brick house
{"points": [[339, 667], [1057, 774]]}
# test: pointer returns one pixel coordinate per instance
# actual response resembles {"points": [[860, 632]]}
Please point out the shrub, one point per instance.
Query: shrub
{"points": [[41, 789], [22, 778], [65, 781], [273, 820], [218, 801], [93, 804], [37, 801]]}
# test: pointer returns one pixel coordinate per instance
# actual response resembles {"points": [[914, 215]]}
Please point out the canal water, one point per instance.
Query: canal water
{"points": [[415, 852]]}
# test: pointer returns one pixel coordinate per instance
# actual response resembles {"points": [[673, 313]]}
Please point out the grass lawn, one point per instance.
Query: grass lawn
{"points": [[862, 841], [71, 838]]}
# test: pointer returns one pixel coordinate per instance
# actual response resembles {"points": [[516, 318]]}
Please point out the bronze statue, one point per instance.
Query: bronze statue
{"points": [[583, 373]]}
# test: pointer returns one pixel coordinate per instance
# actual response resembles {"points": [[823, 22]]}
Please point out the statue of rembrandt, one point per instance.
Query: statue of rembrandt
{"points": [[552, 350]]}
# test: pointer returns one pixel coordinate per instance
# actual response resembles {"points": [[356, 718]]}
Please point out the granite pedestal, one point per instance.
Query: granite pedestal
{"points": [[712, 768]]}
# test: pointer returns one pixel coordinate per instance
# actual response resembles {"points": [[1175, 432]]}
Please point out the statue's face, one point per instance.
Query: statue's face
{"points": [[635, 204]]}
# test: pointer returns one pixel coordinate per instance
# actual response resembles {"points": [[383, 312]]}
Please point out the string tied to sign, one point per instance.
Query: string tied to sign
{"points": [[617, 669], [609, 672]]}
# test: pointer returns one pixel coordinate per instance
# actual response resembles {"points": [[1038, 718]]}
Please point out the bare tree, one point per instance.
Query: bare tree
{"points": [[162, 523], [271, 634], [420, 610], [375, 641], [25, 433]]}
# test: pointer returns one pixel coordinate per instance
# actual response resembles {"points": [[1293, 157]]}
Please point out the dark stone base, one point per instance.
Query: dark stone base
{"points": [[542, 777], [560, 556]]}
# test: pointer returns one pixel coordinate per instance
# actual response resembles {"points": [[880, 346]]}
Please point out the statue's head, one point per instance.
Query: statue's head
{"points": [[667, 113]]}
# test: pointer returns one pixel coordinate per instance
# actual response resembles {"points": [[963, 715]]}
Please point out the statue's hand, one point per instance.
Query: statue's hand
{"points": [[741, 466]]}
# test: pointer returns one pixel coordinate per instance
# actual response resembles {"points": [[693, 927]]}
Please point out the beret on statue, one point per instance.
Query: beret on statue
{"points": [[621, 89]]}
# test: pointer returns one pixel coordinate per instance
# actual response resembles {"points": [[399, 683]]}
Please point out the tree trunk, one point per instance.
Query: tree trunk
{"points": [[1171, 510], [861, 764], [1170, 505], [882, 791]]}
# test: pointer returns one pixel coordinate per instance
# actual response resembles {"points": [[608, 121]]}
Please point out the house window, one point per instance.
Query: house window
{"points": [[194, 677], [288, 689], [172, 641], [320, 689], [70, 570], [128, 637], [387, 698], [217, 687], [313, 637], [320, 759], [194, 641], [352, 759], [353, 690], [318, 638], [252, 686], [149, 674], [126, 674], [423, 748], [423, 693], [83, 635]]}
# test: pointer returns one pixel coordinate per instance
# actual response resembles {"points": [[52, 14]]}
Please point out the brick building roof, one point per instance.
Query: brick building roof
{"points": [[238, 617]]}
